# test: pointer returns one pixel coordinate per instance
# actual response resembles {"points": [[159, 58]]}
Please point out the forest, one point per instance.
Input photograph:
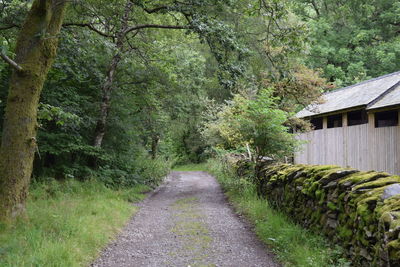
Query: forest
{"points": [[116, 93]]}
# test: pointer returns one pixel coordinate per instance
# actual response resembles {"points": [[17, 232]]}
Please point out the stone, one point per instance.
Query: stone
{"points": [[333, 215], [365, 254], [298, 175], [330, 185], [390, 191], [360, 210], [347, 184], [336, 175], [332, 223]]}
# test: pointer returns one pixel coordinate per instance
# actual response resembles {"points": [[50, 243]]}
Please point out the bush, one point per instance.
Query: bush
{"points": [[145, 171]]}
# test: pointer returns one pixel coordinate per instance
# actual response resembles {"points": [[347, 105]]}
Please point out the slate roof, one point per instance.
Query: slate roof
{"points": [[391, 98], [379, 92]]}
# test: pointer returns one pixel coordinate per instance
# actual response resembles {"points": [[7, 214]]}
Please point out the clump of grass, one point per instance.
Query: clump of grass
{"points": [[292, 244], [67, 223]]}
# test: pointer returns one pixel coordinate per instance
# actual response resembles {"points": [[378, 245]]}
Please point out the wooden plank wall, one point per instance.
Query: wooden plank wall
{"points": [[362, 147]]}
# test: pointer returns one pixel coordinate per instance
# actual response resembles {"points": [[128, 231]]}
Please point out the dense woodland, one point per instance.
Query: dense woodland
{"points": [[137, 86]]}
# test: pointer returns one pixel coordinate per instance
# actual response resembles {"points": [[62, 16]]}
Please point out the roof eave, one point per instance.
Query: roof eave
{"points": [[335, 111]]}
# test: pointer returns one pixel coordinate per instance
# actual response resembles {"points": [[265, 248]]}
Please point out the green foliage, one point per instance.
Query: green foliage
{"points": [[50, 113], [67, 223], [143, 170], [255, 121], [164, 81], [293, 245], [352, 40], [191, 167]]}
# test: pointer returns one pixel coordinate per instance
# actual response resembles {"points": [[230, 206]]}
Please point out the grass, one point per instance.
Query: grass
{"points": [[67, 224], [191, 233], [191, 167], [292, 244]]}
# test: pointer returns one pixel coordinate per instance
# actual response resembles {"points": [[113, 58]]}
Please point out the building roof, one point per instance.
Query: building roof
{"points": [[379, 92], [391, 98]]}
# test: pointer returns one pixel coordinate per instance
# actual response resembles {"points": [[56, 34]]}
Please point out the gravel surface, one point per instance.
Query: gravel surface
{"points": [[186, 222]]}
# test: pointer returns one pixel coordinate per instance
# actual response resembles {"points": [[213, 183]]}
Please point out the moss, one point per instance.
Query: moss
{"points": [[344, 232], [370, 195], [394, 249], [361, 177], [35, 55], [317, 172], [392, 205], [379, 182], [331, 206], [344, 204], [320, 195]]}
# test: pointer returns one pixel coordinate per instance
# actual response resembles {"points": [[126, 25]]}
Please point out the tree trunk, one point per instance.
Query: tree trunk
{"points": [[35, 52], [100, 129], [154, 146]]}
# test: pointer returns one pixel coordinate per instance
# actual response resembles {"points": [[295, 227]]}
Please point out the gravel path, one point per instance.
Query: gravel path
{"points": [[186, 222]]}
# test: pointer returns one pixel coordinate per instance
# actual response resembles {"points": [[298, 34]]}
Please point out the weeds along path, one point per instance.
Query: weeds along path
{"points": [[187, 222]]}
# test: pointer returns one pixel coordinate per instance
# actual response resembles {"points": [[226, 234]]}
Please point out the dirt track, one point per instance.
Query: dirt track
{"points": [[186, 222]]}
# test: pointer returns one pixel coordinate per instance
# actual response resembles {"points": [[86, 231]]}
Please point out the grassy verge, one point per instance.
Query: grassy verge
{"points": [[191, 167], [67, 223], [293, 245]]}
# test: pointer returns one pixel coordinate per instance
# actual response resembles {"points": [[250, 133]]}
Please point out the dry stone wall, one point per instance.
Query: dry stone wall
{"points": [[359, 210]]}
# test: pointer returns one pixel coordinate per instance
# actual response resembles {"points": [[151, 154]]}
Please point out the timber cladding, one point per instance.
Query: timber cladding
{"points": [[360, 127], [361, 146]]}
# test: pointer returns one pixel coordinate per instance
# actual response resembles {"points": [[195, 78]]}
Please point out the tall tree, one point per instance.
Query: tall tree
{"points": [[36, 50], [352, 40], [120, 28]]}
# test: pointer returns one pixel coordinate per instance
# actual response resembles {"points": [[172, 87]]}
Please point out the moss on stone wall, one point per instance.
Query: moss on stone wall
{"points": [[359, 210]]}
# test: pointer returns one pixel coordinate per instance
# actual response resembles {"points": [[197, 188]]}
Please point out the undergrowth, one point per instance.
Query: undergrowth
{"points": [[67, 223], [292, 244]]}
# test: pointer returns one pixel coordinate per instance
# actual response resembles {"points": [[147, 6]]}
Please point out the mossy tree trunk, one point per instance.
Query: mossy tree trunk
{"points": [[35, 52]]}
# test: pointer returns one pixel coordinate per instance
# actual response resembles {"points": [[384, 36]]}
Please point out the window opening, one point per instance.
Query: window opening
{"points": [[357, 117], [335, 121], [317, 123], [386, 118]]}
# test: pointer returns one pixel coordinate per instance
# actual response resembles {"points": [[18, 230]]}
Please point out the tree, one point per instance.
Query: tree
{"points": [[122, 27], [353, 40], [254, 120], [35, 52]]}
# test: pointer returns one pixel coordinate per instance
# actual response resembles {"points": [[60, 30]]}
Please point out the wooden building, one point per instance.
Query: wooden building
{"points": [[356, 126]]}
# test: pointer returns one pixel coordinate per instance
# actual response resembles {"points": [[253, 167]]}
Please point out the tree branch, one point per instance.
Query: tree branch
{"points": [[90, 27], [11, 62], [156, 26], [8, 27]]}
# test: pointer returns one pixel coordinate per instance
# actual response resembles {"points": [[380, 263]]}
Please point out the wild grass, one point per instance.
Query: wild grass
{"points": [[67, 223], [191, 167], [292, 244]]}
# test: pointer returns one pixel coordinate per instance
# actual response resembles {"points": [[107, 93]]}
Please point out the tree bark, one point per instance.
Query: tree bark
{"points": [[106, 90], [154, 145], [101, 123], [35, 52]]}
